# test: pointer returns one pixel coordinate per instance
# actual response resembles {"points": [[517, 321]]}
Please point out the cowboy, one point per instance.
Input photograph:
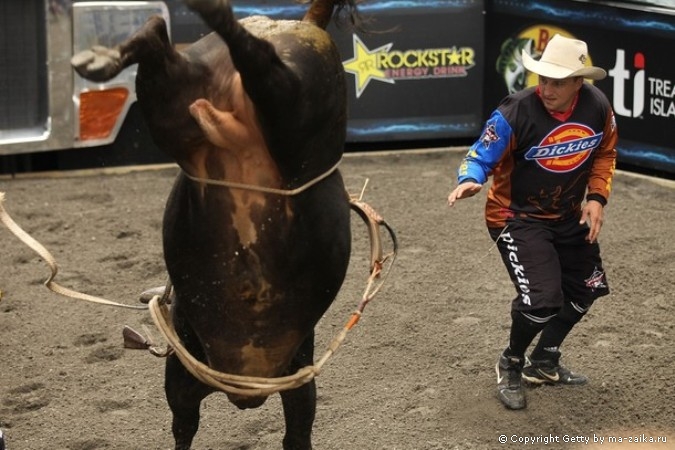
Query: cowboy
{"points": [[550, 150]]}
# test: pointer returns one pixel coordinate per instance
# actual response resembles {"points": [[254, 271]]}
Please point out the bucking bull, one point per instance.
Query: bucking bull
{"points": [[256, 229]]}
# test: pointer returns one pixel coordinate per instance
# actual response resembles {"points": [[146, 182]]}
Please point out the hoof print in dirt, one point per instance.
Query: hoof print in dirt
{"points": [[26, 398], [109, 353], [89, 444], [113, 405], [87, 340]]}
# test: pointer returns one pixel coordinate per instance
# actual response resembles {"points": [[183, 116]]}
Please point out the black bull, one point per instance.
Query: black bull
{"points": [[250, 112]]}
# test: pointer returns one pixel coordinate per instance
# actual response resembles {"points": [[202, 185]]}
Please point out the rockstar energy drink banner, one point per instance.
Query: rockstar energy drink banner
{"points": [[633, 43], [418, 72], [414, 73]]}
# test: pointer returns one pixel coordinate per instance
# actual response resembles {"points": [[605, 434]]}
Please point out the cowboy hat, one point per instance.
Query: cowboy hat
{"points": [[563, 58]]}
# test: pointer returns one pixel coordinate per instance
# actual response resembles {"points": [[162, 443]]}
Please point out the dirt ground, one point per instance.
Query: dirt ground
{"points": [[416, 373]]}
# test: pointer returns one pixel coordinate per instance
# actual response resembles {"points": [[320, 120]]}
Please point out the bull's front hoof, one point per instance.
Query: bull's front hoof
{"points": [[97, 64]]}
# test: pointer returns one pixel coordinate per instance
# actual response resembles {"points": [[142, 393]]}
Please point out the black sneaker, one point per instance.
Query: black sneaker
{"points": [[509, 388], [538, 372]]}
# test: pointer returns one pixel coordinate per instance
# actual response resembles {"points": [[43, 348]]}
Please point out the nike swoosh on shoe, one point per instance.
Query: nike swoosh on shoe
{"points": [[555, 378]]}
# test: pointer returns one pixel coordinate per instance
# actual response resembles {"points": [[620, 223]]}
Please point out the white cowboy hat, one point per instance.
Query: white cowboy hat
{"points": [[563, 58]]}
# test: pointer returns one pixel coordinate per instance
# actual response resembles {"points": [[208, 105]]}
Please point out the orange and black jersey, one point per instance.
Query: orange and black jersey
{"points": [[542, 167]]}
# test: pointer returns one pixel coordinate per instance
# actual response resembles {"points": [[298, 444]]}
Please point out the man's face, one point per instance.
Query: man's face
{"points": [[558, 95]]}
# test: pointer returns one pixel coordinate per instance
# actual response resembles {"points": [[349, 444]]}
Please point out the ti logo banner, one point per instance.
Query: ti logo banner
{"points": [[652, 95], [387, 65]]}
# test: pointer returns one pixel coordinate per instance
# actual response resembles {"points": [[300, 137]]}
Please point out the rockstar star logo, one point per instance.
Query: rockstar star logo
{"points": [[364, 65]]}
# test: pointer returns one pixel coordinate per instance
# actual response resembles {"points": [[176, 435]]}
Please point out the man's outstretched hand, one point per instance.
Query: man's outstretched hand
{"points": [[463, 190]]}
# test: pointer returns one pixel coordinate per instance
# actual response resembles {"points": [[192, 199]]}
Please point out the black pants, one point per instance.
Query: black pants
{"points": [[549, 263]]}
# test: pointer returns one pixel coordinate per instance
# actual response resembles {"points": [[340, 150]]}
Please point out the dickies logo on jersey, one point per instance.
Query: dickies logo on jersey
{"points": [[565, 148]]}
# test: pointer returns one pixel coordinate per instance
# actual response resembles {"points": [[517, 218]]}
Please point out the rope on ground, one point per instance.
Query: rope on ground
{"points": [[51, 262]]}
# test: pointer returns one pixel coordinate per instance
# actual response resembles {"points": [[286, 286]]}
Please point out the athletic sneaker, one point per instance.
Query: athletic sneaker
{"points": [[509, 386], [550, 372]]}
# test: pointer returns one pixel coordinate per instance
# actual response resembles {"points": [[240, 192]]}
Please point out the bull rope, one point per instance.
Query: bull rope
{"points": [[267, 190], [160, 313]]}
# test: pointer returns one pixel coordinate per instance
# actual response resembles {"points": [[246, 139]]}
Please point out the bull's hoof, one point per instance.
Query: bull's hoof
{"points": [[98, 63]]}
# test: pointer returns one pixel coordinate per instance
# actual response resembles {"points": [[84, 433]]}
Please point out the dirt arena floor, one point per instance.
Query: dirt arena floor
{"points": [[417, 373]]}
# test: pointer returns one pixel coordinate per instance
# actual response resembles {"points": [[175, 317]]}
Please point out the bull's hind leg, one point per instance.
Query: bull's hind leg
{"points": [[271, 85], [300, 404], [102, 63], [247, 52], [213, 12]]}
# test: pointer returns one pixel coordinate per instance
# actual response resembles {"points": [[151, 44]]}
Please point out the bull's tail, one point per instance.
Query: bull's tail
{"points": [[321, 11]]}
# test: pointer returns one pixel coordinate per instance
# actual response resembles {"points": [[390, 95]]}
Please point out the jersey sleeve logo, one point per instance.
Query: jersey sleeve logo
{"points": [[489, 135], [565, 148]]}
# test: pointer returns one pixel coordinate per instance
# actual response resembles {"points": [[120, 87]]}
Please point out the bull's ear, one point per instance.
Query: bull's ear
{"points": [[134, 340]]}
